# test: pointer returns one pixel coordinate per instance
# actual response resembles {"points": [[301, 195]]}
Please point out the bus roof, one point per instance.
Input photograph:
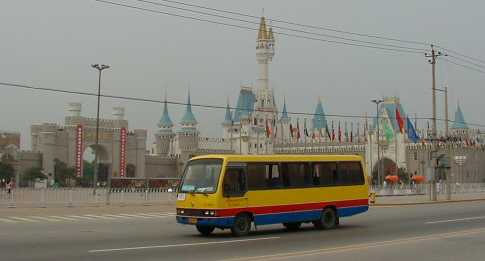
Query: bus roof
{"points": [[281, 157]]}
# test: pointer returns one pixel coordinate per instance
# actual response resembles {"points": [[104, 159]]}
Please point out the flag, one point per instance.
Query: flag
{"points": [[346, 132], [388, 132], [275, 130], [291, 130], [412, 135], [351, 132], [358, 132], [305, 130], [268, 130], [298, 129], [339, 133], [399, 120], [333, 132], [328, 133]]}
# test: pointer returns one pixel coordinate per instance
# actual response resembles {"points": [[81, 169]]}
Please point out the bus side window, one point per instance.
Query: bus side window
{"points": [[274, 177], [328, 173], [234, 182], [257, 178], [316, 174]]}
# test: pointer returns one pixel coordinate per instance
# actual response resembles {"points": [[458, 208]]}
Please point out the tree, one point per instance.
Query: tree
{"points": [[30, 175], [6, 171], [130, 170], [63, 174]]}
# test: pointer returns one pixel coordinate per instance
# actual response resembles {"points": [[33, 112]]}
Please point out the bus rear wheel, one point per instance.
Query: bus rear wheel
{"points": [[328, 219], [292, 226], [241, 226], [205, 230]]}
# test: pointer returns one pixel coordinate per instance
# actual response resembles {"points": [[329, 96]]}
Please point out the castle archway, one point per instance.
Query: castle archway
{"points": [[104, 164]]}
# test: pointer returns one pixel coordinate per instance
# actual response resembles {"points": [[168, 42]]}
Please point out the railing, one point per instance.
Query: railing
{"points": [[424, 189], [70, 197]]}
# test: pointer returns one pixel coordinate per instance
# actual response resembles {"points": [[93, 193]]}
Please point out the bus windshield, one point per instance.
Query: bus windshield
{"points": [[201, 176]]}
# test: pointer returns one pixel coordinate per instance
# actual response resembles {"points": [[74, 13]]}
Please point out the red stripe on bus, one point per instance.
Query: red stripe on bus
{"points": [[291, 208]]}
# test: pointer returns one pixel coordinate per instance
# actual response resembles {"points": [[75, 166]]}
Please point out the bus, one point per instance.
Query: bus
{"points": [[236, 191]]}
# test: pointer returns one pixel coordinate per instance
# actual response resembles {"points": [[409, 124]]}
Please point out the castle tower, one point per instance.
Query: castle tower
{"points": [[164, 135], [284, 121], [319, 121], [227, 123], [188, 135], [459, 127]]}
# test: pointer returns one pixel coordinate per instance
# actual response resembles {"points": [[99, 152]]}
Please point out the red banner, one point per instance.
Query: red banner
{"points": [[79, 150], [122, 152]]}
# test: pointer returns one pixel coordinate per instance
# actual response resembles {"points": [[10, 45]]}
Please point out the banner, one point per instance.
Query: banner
{"points": [[79, 151], [122, 152]]}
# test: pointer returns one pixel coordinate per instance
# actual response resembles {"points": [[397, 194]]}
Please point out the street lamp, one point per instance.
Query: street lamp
{"points": [[377, 102], [100, 68]]}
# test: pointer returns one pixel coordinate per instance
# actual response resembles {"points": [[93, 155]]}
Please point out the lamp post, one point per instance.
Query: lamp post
{"points": [[100, 68], [377, 102]]}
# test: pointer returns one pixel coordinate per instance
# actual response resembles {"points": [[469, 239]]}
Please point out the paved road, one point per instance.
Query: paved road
{"points": [[454, 231]]}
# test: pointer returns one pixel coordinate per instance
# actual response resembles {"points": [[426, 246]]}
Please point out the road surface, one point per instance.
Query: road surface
{"points": [[453, 231]]}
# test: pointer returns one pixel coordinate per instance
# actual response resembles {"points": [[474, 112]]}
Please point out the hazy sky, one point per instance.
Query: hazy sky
{"points": [[51, 43]]}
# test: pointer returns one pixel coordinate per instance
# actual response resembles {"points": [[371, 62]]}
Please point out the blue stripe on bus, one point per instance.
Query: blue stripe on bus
{"points": [[274, 218]]}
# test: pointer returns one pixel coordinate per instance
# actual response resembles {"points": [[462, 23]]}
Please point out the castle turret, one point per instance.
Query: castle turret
{"points": [[164, 135], [459, 127], [227, 123], [188, 135], [319, 120]]}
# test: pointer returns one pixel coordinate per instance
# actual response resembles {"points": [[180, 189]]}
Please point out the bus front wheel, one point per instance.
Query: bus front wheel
{"points": [[328, 219], [241, 226], [205, 230]]}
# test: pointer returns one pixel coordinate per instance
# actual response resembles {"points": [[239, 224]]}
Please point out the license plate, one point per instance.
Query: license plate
{"points": [[192, 220], [181, 196]]}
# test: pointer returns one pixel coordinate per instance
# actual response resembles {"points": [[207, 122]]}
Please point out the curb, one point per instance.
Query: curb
{"points": [[427, 202]]}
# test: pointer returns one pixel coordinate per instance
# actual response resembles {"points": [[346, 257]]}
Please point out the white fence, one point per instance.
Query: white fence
{"points": [[69, 197], [423, 189]]}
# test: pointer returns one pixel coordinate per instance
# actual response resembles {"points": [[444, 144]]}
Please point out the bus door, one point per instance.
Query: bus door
{"points": [[235, 186]]}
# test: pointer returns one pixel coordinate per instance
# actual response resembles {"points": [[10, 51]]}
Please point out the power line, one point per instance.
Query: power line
{"points": [[464, 66], [325, 28], [255, 29], [280, 27], [205, 106], [467, 61], [463, 55]]}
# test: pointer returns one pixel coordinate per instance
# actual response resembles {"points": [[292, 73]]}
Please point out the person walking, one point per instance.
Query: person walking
{"points": [[9, 187]]}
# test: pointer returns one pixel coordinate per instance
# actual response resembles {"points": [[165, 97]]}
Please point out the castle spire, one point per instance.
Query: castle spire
{"points": [[165, 121], [284, 113], [189, 118], [459, 122], [263, 30], [319, 120], [228, 117]]}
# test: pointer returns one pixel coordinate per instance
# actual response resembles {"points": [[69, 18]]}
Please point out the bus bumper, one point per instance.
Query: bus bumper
{"points": [[221, 222]]}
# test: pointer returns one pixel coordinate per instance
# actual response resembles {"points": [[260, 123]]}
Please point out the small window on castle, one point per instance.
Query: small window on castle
{"points": [[415, 155]]}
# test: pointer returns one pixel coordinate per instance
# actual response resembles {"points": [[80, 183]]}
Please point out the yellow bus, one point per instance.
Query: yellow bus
{"points": [[236, 191]]}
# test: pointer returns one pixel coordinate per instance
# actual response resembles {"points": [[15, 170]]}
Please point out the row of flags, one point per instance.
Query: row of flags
{"points": [[342, 134]]}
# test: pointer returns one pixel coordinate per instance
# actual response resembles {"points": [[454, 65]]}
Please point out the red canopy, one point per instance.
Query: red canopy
{"points": [[392, 178], [419, 179]]}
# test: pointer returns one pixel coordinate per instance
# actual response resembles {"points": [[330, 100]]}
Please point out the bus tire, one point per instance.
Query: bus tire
{"points": [[293, 226], [328, 219], [205, 230], [241, 226]]}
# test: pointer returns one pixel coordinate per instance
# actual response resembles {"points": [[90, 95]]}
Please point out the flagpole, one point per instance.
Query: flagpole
{"points": [[240, 138]]}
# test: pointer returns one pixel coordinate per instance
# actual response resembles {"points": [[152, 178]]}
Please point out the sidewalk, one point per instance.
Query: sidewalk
{"points": [[424, 199], [166, 207]]}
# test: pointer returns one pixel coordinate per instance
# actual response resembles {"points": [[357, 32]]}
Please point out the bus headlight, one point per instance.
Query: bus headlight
{"points": [[209, 213]]}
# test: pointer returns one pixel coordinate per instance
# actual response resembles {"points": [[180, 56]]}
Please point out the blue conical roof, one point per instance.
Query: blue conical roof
{"points": [[459, 122], [245, 104], [165, 121], [228, 117], [189, 118], [284, 113], [319, 120]]}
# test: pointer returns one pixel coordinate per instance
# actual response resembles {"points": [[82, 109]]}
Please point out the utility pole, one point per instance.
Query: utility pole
{"points": [[377, 102], [446, 112], [100, 68]]}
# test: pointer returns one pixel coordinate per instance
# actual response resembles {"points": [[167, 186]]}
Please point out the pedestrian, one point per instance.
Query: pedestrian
{"points": [[9, 187]]}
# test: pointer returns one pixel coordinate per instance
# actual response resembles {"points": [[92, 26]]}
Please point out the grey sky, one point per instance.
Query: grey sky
{"points": [[51, 43]]}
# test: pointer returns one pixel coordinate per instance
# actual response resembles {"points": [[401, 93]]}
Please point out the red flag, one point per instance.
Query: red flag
{"points": [[333, 132], [399, 120], [297, 129], [268, 130], [339, 133]]}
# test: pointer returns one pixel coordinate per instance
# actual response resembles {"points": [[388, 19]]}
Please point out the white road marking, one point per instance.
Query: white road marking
{"points": [[8, 220], [115, 216], [182, 245], [45, 218], [153, 215], [64, 218], [133, 216], [100, 217], [455, 220], [24, 219], [82, 217]]}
